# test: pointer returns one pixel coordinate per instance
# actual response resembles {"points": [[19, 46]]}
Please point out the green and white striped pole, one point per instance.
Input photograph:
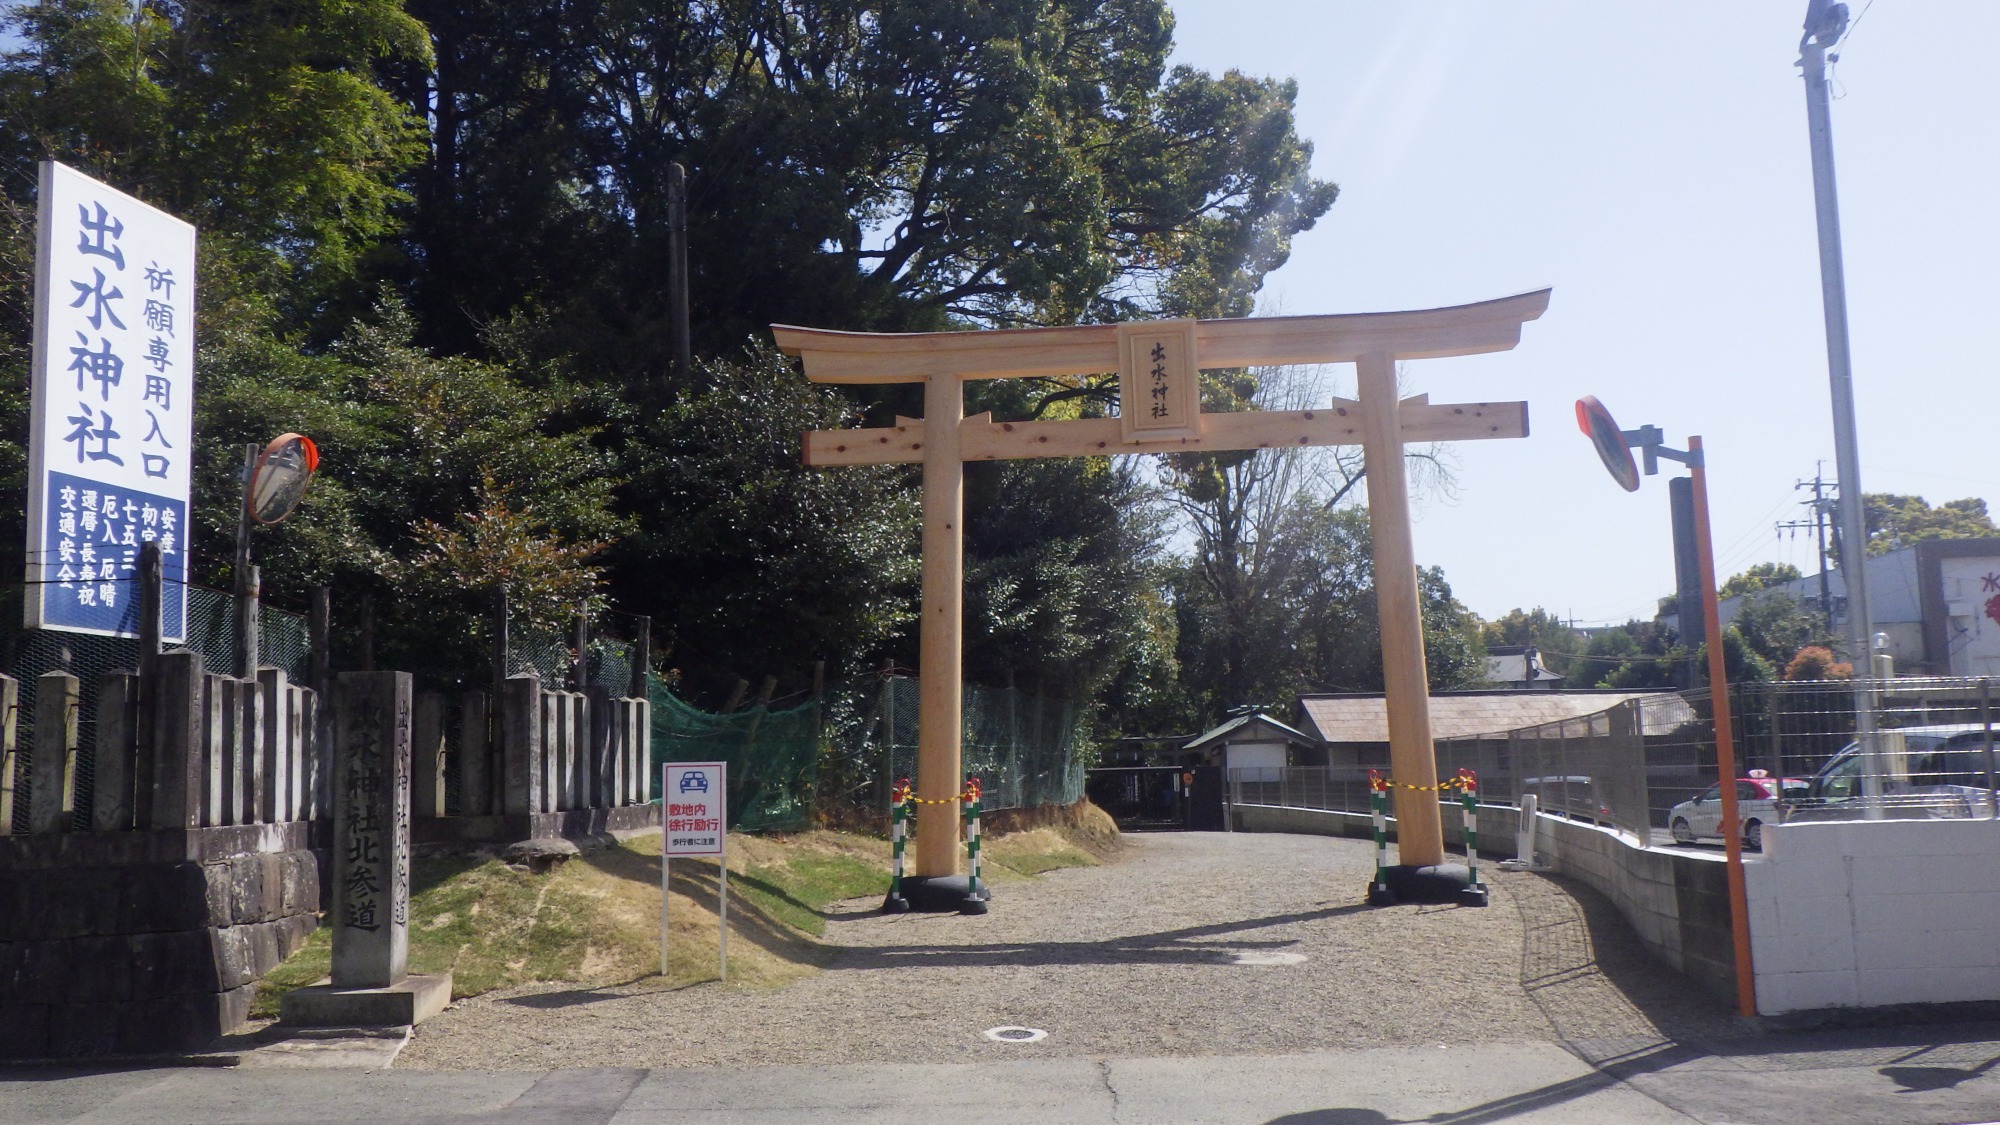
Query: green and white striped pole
{"points": [[974, 903], [899, 834], [1468, 787], [1378, 804]]}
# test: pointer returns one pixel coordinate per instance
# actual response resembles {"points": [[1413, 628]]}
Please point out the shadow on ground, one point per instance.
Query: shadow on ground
{"points": [[1181, 946]]}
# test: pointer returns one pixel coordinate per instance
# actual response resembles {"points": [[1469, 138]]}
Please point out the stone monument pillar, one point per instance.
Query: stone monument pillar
{"points": [[371, 985]]}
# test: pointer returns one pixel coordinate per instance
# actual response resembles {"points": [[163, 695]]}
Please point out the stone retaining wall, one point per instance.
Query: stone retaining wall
{"points": [[145, 942]]}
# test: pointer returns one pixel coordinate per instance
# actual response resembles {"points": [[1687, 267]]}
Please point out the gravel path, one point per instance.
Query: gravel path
{"points": [[1194, 944]]}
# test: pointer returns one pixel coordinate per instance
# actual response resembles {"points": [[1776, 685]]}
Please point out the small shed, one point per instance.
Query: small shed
{"points": [[1255, 740]]}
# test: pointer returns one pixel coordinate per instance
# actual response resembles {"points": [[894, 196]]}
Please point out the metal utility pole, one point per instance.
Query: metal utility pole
{"points": [[247, 592], [677, 271], [1825, 23], [1823, 509]]}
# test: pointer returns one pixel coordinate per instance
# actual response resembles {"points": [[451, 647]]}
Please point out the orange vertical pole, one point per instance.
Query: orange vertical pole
{"points": [[1725, 741]]}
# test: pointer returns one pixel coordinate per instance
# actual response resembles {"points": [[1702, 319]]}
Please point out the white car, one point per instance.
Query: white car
{"points": [[1757, 799]]}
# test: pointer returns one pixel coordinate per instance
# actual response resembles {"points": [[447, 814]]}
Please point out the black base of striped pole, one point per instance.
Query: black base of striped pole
{"points": [[940, 893], [1439, 883], [895, 904]]}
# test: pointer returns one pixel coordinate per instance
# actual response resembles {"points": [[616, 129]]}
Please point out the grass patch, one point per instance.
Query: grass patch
{"points": [[797, 890], [595, 919], [1035, 851]]}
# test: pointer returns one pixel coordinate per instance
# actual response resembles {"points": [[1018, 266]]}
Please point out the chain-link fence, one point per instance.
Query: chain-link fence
{"points": [[1648, 766], [772, 755], [26, 654], [552, 655], [1022, 746]]}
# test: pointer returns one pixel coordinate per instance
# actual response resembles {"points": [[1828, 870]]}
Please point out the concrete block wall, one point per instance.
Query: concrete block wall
{"points": [[1874, 913], [1677, 903], [145, 942]]}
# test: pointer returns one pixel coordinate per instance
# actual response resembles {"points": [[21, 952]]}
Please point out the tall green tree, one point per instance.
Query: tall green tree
{"points": [[1762, 576], [1561, 647], [750, 563], [1895, 521], [901, 165], [267, 124], [440, 480]]}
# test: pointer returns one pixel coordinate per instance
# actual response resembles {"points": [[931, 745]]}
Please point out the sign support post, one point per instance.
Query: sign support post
{"points": [[694, 799]]}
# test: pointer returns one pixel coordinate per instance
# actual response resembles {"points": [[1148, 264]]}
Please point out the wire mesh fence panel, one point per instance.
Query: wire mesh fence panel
{"points": [[1021, 746], [546, 653], [27, 654], [1930, 755]]}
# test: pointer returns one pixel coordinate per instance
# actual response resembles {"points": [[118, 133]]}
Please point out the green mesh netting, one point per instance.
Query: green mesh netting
{"points": [[772, 757], [1021, 746]]}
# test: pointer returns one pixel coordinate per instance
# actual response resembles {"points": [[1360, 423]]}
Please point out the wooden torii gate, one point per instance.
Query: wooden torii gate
{"points": [[1159, 392]]}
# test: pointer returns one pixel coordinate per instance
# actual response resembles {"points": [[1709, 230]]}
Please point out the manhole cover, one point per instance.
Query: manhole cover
{"points": [[1258, 957], [1016, 1034]]}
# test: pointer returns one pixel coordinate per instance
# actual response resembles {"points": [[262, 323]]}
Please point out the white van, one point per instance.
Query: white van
{"points": [[1941, 771]]}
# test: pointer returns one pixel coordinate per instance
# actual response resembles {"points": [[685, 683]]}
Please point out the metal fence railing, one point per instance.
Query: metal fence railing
{"points": [[1799, 750]]}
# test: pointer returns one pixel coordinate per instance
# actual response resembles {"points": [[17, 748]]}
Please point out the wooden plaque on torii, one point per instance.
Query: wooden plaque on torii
{"points": [[1160, 413]]}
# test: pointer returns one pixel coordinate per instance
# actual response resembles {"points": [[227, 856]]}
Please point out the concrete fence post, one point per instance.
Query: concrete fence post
{"points": [[218, 755], [52, 771], [112, 803], [180, 769], [427, 790], [521, 744], [549, 716], [10, 758], [274, 688], [600, 771], [254, 786], [475, 757]]}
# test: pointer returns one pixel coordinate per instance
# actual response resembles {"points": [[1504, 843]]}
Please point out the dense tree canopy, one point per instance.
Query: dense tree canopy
{"points": [[1897, 521], [888, 165], [434, 235], [1762, 576]]}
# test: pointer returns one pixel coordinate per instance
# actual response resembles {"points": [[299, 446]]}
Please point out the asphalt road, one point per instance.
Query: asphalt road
{"points": [[1883, 1077]]}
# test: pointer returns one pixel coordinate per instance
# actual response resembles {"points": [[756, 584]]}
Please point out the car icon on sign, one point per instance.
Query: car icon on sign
{"points": [[694, 781]]}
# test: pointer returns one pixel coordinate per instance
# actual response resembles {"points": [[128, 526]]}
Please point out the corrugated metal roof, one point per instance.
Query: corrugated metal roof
{"points": [[1365, 718]]}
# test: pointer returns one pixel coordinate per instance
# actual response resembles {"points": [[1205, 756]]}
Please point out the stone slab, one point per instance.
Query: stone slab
{"points": [[331, 1049], [412, 1001]]}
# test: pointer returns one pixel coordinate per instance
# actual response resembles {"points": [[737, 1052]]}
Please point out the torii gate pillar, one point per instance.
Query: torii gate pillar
{"points": [[1158, 363], [941, 637]]}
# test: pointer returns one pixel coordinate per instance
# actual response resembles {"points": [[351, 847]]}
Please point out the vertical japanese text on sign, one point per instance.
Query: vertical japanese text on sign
{"points": [[1159, 387], [112, 414]]}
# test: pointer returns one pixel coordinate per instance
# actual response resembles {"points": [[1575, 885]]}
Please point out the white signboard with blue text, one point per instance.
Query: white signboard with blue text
{"points": [[112, 427]]}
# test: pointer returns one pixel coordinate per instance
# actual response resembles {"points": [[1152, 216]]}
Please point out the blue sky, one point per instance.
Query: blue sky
{"points": [[1650, 164]]}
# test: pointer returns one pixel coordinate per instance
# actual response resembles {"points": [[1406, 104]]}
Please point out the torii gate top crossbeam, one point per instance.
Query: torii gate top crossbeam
{"points": [[1013, 353]]}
